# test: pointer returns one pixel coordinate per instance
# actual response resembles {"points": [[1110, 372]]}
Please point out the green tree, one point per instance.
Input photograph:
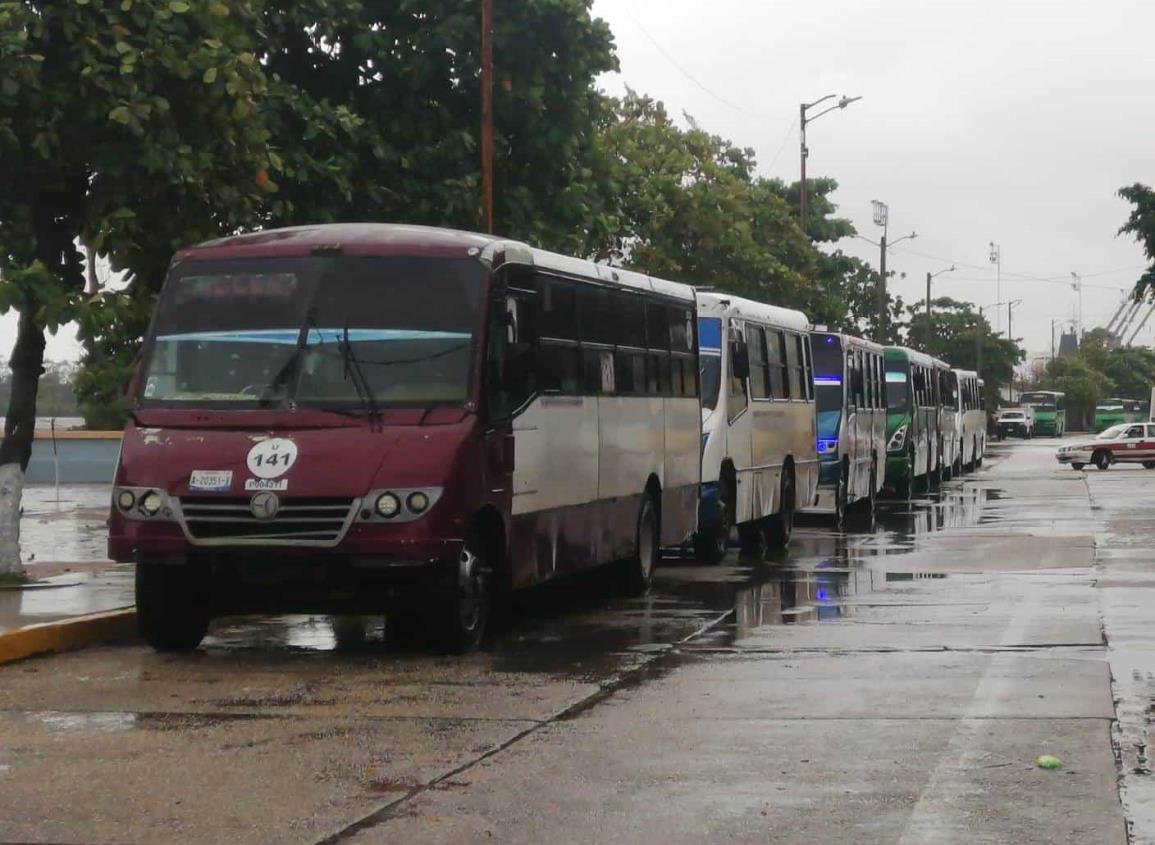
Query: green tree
{"points": [[1141, 225], [127, 127], [375, 108], [372, 113], [1085, 386]]}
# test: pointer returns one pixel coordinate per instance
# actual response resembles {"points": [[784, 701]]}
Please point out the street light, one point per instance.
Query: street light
{"points": [[1010, 337], [979, 334], [802, 121], [881, 215], [930, 276], [996, 258], [1077, 284]]}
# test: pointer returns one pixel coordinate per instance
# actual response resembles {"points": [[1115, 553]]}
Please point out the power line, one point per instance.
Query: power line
{"points": [[687, 74], [1022, 276]]}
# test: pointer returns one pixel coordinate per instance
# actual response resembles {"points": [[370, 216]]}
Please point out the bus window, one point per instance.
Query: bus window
{"points": [[897, 393], [510, 369], [736, 400], [710, 341], [756, 344], [828, 373], [807, 368], [776, 364], [794, 366]]}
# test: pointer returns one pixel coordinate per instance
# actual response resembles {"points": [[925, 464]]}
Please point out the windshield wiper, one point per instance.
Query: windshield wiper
{"points": [[353, 369], [307, 325]]}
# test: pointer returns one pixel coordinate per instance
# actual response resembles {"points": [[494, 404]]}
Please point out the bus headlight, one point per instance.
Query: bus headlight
{"points": [[126, 500], [417, 502], [827, 445], [388, 505], [151, 503], [897, 440]]}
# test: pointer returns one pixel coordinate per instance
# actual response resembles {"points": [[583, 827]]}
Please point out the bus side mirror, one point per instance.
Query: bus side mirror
{"points": [[739, 359]]}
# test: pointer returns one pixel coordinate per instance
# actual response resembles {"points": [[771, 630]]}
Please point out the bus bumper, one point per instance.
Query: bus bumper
{"points": [[898, 469]]}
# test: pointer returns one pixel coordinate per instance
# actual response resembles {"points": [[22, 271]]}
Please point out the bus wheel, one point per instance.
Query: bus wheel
{"points": [[865, 507], [1148, 464], [710, 543], [463, 609], [780, 527], [638, 571], [172, 606], [1101, 459], [840, 497]]}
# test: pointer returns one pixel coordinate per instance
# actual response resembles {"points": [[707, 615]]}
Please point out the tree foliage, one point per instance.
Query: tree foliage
{"points": [[1141, 225], [130, 127], [954, 325]]}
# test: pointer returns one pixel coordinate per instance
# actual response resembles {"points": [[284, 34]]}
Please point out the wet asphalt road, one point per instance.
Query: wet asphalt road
{"points": [[886, 684]]}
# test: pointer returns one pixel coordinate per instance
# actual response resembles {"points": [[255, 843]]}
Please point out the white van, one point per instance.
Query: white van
{"points": [[759, 441]]}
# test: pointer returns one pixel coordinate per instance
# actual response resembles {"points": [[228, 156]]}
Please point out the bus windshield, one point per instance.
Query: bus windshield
{"points": [[827, 372], [1042, 401], [897, 389], [263, 332]]}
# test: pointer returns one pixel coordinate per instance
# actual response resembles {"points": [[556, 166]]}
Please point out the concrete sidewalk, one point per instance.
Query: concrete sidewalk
{"points": [[83, 604]]}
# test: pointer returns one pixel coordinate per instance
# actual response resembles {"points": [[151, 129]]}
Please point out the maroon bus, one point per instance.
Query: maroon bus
{"points": [[404, 420]]}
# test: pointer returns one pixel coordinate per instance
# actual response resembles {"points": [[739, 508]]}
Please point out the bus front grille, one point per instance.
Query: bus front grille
{"points": [[230, 521]]}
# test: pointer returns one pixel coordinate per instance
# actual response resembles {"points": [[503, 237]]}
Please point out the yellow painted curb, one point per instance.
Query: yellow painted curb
{"points": [[67, 634]]}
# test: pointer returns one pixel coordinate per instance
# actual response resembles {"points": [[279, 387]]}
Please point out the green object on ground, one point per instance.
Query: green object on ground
{"points": [[1047, 761]]}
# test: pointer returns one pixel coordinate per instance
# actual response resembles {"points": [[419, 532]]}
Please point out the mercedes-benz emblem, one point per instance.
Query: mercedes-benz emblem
{"points": [[264, 505]]}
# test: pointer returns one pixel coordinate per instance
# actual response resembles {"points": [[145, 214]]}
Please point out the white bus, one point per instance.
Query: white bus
{"points": [[850, 393], [972, 408], [759, 449], [950, 423]]}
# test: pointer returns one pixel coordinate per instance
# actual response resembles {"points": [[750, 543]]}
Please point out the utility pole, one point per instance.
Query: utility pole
{"points": [[1010, 337], [929, 277], [1077, 284], [803, 120], [487, 111], [996, 258], [802, 181], [881, 215], [1052, 340]]}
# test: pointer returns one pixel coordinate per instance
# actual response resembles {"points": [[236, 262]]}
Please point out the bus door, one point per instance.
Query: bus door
{"points": [[738, 418]]}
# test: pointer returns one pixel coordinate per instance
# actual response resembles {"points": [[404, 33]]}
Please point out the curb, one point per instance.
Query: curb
{"points": [[67, 634]]}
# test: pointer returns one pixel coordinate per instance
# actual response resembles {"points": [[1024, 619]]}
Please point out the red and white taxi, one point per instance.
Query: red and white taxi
{"points": [[1126, 443]]}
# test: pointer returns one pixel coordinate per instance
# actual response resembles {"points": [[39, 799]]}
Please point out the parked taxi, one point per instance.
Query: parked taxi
{"points": [[1131, 443]]}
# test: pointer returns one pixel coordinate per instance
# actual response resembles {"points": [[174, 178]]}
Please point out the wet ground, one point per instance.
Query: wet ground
{"points": [[892, 683]]}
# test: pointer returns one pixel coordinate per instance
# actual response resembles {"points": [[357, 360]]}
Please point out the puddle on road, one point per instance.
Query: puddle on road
{"points": [[580, 627]]}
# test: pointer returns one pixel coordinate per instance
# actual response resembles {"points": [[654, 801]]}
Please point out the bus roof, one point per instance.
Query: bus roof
{"points": [[916, 357], [852, 340], [1041, 393], [966, 373], [728, 304], [393, 239]]}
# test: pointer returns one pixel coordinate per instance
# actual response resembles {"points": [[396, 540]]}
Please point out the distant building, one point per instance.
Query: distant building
{"points": [[1068, 344]]}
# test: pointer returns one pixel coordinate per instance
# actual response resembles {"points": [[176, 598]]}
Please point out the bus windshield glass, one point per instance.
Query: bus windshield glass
{"points": [[1042, 401], [710, 360], [897, 390], [254, 333], [827, 372]]}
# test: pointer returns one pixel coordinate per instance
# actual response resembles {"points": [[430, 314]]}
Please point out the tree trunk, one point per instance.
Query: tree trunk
{"points": [[27, 364]]}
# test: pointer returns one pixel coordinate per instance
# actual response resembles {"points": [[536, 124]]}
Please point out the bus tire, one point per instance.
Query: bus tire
{"points": [[462, 610], [172, 606], [841, 494], [780, 527], [1148, 464], [710, 544], [637, 571], [865, 507], [1101, 459]]}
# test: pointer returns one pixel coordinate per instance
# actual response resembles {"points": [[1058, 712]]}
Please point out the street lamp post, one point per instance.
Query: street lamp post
{"points": [[980, 334], [996, 258], [881, 213], [487, 112], [929, 277], [1010, 337], [803, 120]]}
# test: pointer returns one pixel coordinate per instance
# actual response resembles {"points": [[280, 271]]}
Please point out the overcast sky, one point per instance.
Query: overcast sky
{"points": [[988, 120]]}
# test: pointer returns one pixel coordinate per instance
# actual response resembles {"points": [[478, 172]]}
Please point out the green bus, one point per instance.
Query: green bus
{"points": [[1050, 411], [1115, 411], [913, 439]]}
